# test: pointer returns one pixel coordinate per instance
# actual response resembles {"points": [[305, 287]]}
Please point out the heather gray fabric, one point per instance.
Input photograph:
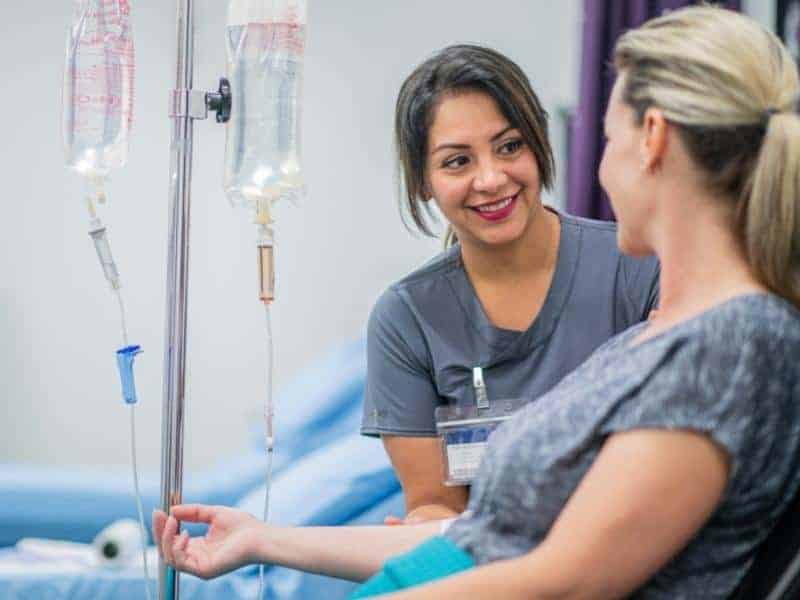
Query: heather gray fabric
{"points": [[732, 373], [429, 330]]}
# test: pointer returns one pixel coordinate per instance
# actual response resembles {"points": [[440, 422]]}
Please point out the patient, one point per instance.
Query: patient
{"points": [[659, 465]]}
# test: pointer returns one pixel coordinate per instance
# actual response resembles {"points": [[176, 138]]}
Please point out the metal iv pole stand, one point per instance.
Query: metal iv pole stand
{"points": [[174, 385], [186, 106]]}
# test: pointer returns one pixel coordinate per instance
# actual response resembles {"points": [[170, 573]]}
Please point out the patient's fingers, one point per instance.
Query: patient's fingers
{"points": [[159, 520], [168, 539], [179, 548], [196, 513]]}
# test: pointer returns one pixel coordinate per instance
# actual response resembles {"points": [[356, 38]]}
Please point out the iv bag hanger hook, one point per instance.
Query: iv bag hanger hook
{"points": [[195, 104]]}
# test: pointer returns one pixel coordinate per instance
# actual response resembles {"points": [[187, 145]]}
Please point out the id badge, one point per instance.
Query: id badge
{"points": [[464, 431]]}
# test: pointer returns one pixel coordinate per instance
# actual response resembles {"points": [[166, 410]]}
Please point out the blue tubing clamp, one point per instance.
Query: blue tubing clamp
{"points": [[125, 358]]}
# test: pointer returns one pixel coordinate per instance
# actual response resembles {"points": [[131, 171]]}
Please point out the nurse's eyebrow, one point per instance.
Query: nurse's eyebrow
{"points": [[497, 136], [494, 138]]}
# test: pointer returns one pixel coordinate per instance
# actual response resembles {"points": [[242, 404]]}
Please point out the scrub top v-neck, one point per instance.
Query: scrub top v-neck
{"points": [[428, 331]]}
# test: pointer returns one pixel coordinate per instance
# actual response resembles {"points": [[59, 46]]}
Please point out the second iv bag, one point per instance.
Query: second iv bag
{"points": [[98, 90], [265, 46]]}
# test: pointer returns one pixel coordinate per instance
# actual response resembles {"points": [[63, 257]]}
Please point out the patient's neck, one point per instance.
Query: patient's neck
{"points": [[703, 263]]}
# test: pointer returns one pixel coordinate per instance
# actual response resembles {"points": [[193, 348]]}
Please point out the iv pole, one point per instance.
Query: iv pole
{"points": [[186, 105], [174, 386]]}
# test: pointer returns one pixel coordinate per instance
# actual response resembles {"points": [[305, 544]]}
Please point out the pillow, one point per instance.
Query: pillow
{"points": [[329, 486]]}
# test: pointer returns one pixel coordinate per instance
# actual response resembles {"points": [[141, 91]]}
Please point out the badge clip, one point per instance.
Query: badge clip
{"points": [[481, 396]]}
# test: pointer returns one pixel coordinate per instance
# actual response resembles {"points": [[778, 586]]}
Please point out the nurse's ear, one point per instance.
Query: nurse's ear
{"points": [[654, 139]]}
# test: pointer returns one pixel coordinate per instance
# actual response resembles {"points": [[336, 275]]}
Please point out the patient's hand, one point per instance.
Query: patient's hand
{"points": [[230, 542], [422, 514]]}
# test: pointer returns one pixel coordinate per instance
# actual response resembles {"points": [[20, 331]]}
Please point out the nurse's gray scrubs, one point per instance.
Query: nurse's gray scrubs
{"points": [[428, 331]]}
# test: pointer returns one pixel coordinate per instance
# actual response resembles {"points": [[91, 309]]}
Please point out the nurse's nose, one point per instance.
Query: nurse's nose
{"points": [[490, 178]]}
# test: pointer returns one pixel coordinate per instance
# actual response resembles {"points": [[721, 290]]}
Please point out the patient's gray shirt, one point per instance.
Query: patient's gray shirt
{"points": [[732, 373], [428, 331]]}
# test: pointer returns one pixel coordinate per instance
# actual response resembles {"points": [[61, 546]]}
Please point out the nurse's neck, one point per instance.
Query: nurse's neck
{"points": [[533, 255]]}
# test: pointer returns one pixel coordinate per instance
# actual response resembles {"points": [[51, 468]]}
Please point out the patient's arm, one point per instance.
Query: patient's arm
{"points": [[647, 494], [638, 505], [236, 538], [418, 464]]}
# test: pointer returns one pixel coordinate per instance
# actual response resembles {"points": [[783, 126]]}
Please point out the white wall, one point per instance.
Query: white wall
{"points": [[59, 325]]}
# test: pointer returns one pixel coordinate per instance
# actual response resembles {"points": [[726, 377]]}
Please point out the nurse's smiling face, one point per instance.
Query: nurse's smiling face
{"points": [[481, 173]]}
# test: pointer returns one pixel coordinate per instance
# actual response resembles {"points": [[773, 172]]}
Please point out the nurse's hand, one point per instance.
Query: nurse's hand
{"points": [[231, 540]]}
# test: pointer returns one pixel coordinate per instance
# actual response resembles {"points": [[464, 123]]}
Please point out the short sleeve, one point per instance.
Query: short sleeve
{"points": [[400, 396], [707, 384], [640, 278]]}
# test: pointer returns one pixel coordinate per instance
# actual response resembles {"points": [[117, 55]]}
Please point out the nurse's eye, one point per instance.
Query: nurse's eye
{"points": [[511, 146], [455, 163]]}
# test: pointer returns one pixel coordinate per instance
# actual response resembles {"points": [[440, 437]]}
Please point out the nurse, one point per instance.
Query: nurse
{"points": [[521, 295]]}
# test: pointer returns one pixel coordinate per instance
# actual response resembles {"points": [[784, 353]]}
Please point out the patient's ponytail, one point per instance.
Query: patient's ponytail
{"points": [[731, 88], [770, 213]]}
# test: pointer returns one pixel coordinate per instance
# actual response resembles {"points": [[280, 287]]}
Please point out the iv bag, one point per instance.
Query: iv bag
{"points": [[98, 90], [265, 46]]}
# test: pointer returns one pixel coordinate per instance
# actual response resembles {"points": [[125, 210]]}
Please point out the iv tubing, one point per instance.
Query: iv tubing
{"points": [[98, 234], [266, 517], [139, 502], [123, 322], [269, 437], [268, 407], [133, 457], [266, 286]]}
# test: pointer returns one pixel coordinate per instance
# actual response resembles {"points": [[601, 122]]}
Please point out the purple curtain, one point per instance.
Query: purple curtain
{"points": [[603, 22], [787, 25]]}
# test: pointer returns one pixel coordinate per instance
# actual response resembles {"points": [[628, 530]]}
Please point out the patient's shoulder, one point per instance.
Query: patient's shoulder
{"points": [[758, 322], [737, 361], [749, 338], [731, 372]]}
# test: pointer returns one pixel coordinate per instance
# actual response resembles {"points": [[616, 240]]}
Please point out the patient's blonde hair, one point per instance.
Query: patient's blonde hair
{"points": [[731, 87]]}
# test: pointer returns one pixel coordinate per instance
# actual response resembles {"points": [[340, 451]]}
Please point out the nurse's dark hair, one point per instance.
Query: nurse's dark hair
{"points": [[453, 70]]}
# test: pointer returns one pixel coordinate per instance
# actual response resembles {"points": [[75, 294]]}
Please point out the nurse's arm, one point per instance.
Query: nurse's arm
{"points": [[418, 464], [644, 498]]}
